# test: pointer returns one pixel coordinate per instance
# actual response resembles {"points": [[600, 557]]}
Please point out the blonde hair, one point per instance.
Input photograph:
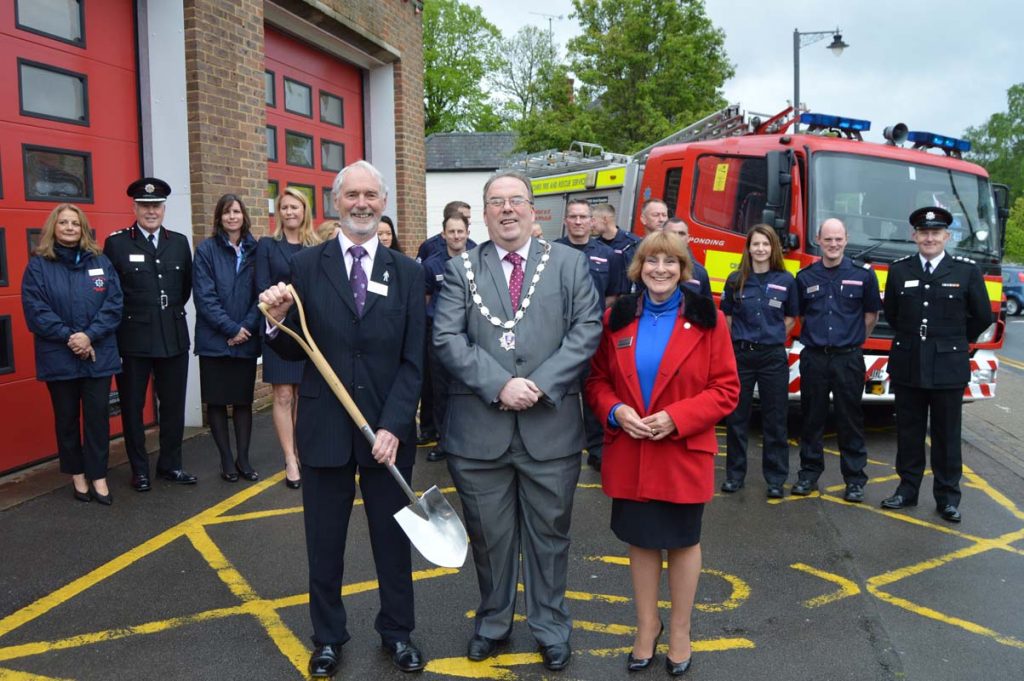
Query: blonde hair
{"points": [[307, 235], [86, 242], [658, 243]]}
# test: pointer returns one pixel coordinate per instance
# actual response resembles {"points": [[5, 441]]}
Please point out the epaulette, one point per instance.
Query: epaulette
{"points": [[963, 259], [906, 257], [865, 265], [120, 231]]}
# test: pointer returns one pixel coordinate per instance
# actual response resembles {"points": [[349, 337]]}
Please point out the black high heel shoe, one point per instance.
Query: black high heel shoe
{"points": [[105, 499], [247, 472], [677, 668], [293, 484], [634, 664], [81, 496]]}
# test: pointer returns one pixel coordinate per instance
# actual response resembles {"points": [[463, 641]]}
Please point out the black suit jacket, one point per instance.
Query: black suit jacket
{"points": [[378, 357], [156, 286]]}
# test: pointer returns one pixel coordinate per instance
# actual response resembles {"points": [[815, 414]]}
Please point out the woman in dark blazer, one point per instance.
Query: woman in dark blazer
{"points": [[227, 331], [662, 377], [72, 301], [273, 254]]}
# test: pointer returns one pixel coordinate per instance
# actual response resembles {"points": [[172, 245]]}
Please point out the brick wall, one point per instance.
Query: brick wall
{"points": [[227, 115]]}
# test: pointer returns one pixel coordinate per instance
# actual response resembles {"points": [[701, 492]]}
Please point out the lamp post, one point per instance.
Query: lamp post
{"points": [[803, 39]]}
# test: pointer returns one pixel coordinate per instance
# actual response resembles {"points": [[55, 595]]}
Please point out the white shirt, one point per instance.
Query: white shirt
{"points": [[934, 261], [146, 233], [506, 266]]}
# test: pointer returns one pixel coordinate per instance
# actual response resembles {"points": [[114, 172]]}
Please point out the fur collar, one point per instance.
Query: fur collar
{"points": [[695, 308]]}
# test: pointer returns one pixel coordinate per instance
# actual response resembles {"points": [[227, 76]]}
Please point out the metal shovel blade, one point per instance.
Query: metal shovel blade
{"points": [[434, 529]]}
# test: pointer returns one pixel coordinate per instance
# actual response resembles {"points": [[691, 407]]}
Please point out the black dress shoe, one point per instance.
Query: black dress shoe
{"points": [[730, 486], [293, 484], [247, 472], [802, 488], [481, 647], [406, 656], [949, 513], [854, 493], [81, 496], [557, 656], [229, 477], [636, 664], [436, 454], [677, 668], [898, 501], [178, 476], [104, 499], [324, 661], [774, 492], [140, 483]]}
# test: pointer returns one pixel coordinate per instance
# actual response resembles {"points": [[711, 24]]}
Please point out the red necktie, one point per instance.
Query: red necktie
{"points": [[515, 282]]}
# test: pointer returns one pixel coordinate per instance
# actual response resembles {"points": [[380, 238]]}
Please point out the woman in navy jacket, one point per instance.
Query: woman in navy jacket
{"points": [[72, 301], [227, 335]]}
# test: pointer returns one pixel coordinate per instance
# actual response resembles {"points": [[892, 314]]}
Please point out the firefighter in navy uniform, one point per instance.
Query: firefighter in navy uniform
{"points": [[936, 304], [155, 268]]}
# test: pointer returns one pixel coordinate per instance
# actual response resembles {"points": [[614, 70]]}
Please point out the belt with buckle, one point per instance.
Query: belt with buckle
{"points": [[833, 349], [747, 345]]}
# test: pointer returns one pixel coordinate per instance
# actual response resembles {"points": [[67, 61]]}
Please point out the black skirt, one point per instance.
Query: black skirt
{"points": [[278, 371], [657, 524], [227, 380]]}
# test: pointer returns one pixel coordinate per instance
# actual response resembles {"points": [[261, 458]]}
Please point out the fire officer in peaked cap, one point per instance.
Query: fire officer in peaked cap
{"points": [[155, 268], [937, 304]]}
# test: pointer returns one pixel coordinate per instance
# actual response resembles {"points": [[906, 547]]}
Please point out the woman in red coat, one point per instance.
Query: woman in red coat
{"points": [[663, 376]]}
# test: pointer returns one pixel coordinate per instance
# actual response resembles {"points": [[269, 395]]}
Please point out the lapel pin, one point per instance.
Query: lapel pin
{"points": [[386, 276]]}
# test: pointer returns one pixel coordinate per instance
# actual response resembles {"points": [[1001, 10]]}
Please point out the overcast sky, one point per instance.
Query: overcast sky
{"points": [[936, 65]]}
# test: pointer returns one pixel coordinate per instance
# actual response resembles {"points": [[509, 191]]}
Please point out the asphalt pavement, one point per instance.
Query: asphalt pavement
{"points": [[209, 581]]}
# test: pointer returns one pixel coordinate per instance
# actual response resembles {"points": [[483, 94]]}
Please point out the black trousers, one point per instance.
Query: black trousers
{"points": [[327, 496], [429, 425], [439, 379], [913, 407], [78, 401], [842, 375], [170, 375], [768, 369]]}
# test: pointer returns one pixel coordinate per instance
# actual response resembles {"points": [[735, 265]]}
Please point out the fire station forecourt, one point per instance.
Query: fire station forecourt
{"points": [[210, 581]]}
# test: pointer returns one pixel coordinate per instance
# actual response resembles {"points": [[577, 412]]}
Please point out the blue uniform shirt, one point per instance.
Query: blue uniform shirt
{"points": [[433, 271], [759, 312], [436, 245], [833, 301], [700, 283], [605, 266], [624, 244]]}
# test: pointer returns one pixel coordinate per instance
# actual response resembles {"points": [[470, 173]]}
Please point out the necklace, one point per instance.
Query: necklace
{"points": [[657, 316], [507, 339]]}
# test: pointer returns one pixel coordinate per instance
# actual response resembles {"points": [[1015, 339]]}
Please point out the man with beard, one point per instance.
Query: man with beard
{"points": [[364, 306]]}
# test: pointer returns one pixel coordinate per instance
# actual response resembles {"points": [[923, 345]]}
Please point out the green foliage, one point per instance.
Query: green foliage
{"points": [[459, 49], [558, 117], [527, 60], [998, 144], [1014, 251], [648, 67]]}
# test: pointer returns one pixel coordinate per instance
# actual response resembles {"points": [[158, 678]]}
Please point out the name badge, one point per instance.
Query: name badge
{"points": [[97, 272], [377, 287], [136, 257], [774, 303], [951, 284], [852, 282], [438, 277], [595, 258], [624, 342], [813, 289], [778, 287], [911, 283]]}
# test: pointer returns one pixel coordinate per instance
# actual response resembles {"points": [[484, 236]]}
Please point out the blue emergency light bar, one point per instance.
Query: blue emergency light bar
{"points": [[818, 121], [930, 139]]}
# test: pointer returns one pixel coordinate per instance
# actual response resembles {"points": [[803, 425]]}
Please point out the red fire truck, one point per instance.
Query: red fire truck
{"points": [[731, 170]]}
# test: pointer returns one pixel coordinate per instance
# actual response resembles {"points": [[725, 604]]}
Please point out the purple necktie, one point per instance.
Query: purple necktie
{"points": [[357, 278], [515, 282]]}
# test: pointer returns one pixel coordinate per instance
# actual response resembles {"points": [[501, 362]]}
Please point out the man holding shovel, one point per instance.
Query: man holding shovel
{"points": [[515, 325], [364, 307]]}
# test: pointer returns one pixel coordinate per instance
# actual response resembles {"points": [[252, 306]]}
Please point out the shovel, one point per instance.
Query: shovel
{"points": [[430, 522]]}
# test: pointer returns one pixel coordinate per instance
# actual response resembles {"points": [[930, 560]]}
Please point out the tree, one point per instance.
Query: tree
{"points": [[1014, 250], [459, 49], [650, 67], [998, 144], [558, 117], [527, 59]]}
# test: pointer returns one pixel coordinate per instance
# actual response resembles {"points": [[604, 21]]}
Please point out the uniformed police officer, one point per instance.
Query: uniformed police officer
{"points": [[622, 242], [700, 283], [937, 304], [760, 306], [606, 271], [155, 268], [839, 306]]}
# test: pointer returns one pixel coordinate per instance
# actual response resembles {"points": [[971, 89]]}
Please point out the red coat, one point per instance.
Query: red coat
{"points": [[696, 385]]}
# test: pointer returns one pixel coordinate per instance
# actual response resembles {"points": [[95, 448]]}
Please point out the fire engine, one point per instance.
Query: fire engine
{"points": [[730, 171]]}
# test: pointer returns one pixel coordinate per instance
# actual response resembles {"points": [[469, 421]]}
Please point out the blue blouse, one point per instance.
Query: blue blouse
{"points": [[652, 335]]}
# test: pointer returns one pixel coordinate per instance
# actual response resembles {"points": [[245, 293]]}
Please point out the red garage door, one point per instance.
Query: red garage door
{"points": [[68, 132], [314, 119]]}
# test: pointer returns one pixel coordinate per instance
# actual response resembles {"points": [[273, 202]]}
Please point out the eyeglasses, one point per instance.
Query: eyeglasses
{"points": [[515, 202]]}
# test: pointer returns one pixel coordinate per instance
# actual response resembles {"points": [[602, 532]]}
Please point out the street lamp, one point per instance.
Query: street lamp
{"points": [[803, 39]]}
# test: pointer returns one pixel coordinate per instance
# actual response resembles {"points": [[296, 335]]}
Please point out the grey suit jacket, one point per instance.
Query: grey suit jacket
{"points": [[554, 342]]}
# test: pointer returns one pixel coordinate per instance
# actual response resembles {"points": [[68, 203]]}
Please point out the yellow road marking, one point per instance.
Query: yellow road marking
{"points": [[13, 675], [740, 589], [216, 559], [975, 481], [847, 587], [1012, 362]]}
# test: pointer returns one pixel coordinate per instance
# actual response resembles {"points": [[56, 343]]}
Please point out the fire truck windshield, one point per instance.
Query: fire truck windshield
{"points": [[874, 196]]}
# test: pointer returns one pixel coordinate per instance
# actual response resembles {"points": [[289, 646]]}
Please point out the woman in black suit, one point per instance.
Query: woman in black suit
{"points": [[273, 254]]}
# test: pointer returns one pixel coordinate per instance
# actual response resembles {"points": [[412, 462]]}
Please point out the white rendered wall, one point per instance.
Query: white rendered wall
{"points": [[443, 187]]}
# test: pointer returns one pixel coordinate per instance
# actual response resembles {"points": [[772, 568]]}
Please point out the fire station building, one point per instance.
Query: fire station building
{"points": [[213, 96]]}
